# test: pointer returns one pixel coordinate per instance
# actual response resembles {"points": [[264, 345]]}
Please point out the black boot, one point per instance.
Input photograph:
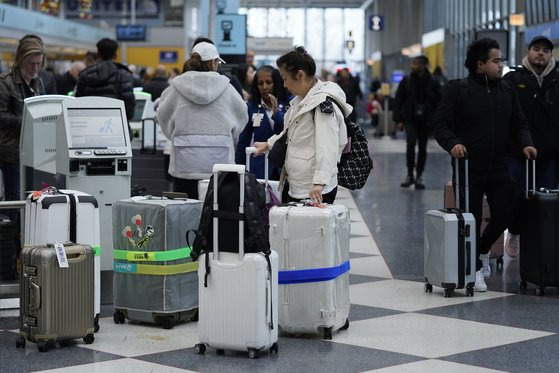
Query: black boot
{"points": [[419, 183], [408, 181]]}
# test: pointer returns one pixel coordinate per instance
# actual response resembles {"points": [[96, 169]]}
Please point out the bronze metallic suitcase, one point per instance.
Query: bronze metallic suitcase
{"points": [[56, 303]]}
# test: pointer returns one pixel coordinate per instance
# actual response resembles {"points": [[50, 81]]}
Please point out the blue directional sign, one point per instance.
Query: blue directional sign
{"points": [[168, 56], [231, 34], [376, 22]]}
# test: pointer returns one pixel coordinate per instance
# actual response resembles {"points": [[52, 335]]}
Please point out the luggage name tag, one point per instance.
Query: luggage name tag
{"points": [[61, 255], [257, 119]]}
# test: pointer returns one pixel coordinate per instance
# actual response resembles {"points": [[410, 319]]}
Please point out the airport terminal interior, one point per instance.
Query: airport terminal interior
{"points": [[395, 325]]}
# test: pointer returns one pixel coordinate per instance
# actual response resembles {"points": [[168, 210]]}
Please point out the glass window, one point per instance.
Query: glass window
{"points": [[490, 10], [546, 14]]}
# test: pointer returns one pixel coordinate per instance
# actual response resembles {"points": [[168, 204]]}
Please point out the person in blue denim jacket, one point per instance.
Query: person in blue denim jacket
{"points": [[266, 109]]}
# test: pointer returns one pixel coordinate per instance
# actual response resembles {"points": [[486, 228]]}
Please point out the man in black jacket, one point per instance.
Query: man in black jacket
{"points": [[478, 117], [414, 105], [158, 83], [537, 85], [108, 78]]}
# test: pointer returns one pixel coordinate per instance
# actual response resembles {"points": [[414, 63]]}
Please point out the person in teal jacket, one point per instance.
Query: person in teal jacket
{"points": [[266, 109]]}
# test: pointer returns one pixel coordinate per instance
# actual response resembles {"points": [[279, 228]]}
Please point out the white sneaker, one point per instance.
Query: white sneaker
{"points": [[512, 245], [480, 285], [486, 269]]}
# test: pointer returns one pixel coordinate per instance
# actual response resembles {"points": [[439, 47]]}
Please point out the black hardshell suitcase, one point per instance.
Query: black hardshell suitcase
{"points": [[539, 245], [9, 248]]}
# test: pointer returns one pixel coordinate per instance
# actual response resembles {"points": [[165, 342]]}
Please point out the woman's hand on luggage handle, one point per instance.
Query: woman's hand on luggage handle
{"points": [[459, 151], [530, 152], [261, 148], [316, 193]]}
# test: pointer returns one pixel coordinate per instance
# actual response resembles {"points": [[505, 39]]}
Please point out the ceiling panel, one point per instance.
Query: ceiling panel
{"points": [[301, 3]]}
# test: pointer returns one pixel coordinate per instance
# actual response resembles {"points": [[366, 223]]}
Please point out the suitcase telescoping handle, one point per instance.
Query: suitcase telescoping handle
{"points": [[528, 177], [240, 169], [251, 150], [466, 182]]}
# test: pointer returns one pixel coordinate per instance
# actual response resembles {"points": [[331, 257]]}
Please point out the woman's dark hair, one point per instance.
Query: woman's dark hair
{"points": [[195, 63], [278, 91], [478, 50], [297, 59], [241, 74]]}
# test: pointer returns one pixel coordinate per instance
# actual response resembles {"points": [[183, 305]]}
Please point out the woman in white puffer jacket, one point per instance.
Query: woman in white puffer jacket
{"points": [[203, 115]]}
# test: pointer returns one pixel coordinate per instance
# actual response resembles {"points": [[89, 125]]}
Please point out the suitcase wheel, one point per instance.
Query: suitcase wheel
{"points": [[195, 317], [20, 342], [540, 291], [96, 323], [253, 353], [428, 288], [346, 325], [168, 322], [88, 339], [200, 348], [469, 291], [274, 348], [523, 284], [118, 317], [44, 346], [327, 333], [448, 293]]}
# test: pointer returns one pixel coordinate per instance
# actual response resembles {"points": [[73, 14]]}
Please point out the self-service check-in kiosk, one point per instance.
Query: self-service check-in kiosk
{"points": [[144, 116], [37, 145], [94, 156]]}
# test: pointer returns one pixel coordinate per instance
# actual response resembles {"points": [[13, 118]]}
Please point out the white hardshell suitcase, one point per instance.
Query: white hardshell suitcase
{"points": [[313, 247], [450, 246], [49, 220], [238, 308]]}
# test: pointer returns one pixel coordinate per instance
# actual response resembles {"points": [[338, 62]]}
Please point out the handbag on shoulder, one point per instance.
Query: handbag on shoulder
{"points": [[279, 150]]}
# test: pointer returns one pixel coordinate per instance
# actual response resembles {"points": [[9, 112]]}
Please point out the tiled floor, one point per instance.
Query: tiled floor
{"points": [[395, 326]]}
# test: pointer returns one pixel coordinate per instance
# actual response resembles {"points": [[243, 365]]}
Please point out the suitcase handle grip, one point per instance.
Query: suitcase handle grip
{"points": [[526, 190], [75, 254], [251, 150], [34, 296], [222, 167]]}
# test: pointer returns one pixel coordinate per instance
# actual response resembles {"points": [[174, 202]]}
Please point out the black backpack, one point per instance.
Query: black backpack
{"points": [[354, 167], [255, 230]]}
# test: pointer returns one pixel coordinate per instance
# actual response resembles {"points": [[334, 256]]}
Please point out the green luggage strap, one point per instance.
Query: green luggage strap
{"points": [[158, 270], [152, 256], [96, 250]]}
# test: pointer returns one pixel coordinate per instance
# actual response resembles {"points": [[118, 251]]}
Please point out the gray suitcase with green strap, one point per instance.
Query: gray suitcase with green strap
{"points": [[155, 280]]}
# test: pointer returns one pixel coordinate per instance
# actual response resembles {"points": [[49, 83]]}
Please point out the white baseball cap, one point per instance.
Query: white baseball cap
{"points": [[207, 51]]}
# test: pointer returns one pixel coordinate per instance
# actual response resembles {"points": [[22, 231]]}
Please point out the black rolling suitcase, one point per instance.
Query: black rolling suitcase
{"points": [[539, 247], [9, 248]]}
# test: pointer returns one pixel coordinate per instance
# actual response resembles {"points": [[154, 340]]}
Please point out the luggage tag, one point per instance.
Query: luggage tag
{"points": [[61, 255], [257, 119]]}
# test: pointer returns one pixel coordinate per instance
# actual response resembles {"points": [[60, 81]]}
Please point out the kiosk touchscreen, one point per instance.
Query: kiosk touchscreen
{"points": [[94, 156], [37, 145]]}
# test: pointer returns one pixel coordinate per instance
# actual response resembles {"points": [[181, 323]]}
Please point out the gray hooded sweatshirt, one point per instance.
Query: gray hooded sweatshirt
{"points": [[202, 115]]}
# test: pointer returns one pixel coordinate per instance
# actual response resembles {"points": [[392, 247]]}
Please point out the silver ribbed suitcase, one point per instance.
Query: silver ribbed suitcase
{"points": [[313, 248], [56, 303]]}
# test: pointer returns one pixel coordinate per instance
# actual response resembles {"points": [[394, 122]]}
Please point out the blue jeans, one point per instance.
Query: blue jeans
{"points": [[547, 176], [10, 173]]}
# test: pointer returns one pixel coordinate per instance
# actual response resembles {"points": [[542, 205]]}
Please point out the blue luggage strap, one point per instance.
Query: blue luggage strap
{"points": [[312, 275]]}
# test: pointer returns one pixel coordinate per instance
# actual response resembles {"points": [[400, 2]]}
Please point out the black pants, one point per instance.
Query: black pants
{"points": [[416, 133], [188, 186], [329, 197], [499, 188]]}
